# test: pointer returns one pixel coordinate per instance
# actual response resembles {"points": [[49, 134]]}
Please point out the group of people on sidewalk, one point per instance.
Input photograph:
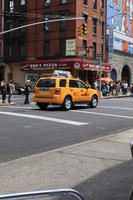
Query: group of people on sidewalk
{"points": [[9, 88], [114, 88]]}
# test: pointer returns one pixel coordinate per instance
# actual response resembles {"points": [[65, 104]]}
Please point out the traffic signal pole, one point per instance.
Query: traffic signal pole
{"points": [[42, 22]]}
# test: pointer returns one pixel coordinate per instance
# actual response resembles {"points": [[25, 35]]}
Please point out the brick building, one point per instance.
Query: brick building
{"points": [[40, 49]]}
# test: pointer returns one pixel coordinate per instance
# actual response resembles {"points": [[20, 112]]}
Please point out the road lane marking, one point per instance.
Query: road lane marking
{"points": [[103, 114], [44, 118], [113, 107]]}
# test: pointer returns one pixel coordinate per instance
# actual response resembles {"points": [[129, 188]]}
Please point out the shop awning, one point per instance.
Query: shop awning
{"points": [[65, 64]]}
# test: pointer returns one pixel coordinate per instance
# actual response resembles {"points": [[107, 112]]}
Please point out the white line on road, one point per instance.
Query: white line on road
{"points": [[45, 118], [113, 107], [103, 114]]}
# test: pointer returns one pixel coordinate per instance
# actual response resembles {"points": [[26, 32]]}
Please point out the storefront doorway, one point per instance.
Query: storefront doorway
{"points": [[126, 74]]}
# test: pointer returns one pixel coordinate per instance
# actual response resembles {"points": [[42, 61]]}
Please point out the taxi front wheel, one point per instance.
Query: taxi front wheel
{"points": [[67, 104], [94, 102]]}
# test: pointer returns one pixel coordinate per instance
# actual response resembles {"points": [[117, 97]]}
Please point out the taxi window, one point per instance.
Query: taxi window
{"points": [[46, 83], [62, 83], [81, 85], [73, 84]]}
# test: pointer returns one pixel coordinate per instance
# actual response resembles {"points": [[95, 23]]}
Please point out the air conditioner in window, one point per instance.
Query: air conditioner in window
{"points": [[102, 10], [47, 4]]}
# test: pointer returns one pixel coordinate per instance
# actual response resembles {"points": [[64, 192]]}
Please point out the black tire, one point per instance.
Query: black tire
{"points": [[94, 102], [42, 106], [67, 104]]}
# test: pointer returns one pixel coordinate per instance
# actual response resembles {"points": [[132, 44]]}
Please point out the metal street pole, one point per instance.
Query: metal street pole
{"points": [[100, 82], [2, 39], [42, 22]]}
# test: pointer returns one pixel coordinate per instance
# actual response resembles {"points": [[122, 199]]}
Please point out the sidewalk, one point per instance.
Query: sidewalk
{"points": [[65, 167]]}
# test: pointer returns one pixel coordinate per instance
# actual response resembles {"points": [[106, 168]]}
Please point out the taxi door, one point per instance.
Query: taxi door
{"points": [[78, 90], [83, 91]]}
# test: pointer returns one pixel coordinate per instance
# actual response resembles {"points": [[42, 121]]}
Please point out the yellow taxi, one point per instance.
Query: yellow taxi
{"points": [[64, 91]]}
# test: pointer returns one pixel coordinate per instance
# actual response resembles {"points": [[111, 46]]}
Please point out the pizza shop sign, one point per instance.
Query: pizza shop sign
{"points": [[42, 66]]}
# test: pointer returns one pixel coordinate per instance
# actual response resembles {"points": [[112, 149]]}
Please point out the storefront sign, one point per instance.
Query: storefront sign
{"points": [[64, 64], [70, 47]]}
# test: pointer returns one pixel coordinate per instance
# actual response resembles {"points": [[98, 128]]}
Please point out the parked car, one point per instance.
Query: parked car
{"points": [[63, 91], [19, 89]]}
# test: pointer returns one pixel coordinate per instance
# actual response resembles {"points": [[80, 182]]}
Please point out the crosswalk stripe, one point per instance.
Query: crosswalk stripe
{"points": [[44, 118]]}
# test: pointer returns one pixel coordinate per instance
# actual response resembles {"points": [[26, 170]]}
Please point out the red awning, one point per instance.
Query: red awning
{"points": [[66, 64]]}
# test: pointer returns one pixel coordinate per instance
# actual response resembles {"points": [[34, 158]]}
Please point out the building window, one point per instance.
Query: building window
{"points": [[101, 49], [63, 1], [11, 5], [63, 24], [21, 50], [85, 2], [94, 25], [22, 2], [85, 18], [22, 30], [62, 47], [101, 3], [95, 4], [102, 28], [47, 48], [84, 44], [10, 50], [94, 49], [47, 3], [47, 24]]}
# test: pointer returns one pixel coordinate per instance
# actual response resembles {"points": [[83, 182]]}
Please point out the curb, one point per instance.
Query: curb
{"points": [[112, 97]]}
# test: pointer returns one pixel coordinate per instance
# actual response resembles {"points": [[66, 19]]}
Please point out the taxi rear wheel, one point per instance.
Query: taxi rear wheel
{"points": [[43, 106], [67, 104], [94, 102]]}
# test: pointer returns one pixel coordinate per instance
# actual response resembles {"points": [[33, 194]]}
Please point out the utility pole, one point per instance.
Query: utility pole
{"points": [[2, 39]]}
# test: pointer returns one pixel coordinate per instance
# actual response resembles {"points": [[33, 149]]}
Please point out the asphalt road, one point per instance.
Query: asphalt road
{"points": [[27, 130]]}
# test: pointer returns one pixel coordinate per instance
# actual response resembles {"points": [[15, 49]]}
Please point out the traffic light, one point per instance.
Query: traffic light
{"points": [[79, 30], [84, 29]]}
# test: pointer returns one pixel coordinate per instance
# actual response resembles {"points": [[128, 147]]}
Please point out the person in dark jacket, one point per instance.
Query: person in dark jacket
{"points": [[27, 92], [3, 90]]}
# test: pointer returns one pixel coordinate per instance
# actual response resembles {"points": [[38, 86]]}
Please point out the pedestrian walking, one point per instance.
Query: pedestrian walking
{"points": [[3, 90], [27, 92], [131, 90], [11, 91]]}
